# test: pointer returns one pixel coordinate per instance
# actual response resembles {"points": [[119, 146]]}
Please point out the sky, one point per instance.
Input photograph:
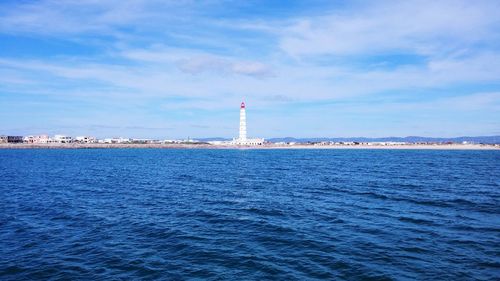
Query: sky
{"points": [[178, 69]]}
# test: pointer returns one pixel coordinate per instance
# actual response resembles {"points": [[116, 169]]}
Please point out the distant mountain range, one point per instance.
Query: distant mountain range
{"points": [[410, 139]]}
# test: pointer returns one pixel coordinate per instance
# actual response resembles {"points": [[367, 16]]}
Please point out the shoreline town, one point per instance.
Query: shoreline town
{"points": [[242, 142]]}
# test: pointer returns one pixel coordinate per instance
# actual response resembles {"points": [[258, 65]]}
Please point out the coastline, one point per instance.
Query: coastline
{"points": [[268, 146]]}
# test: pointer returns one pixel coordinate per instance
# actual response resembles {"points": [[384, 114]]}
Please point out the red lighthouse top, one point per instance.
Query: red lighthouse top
{"points": [[242, 105]]}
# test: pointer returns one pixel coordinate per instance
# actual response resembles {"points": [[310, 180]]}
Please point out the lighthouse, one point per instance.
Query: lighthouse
{"points": [[243, 124], [242, 138]]}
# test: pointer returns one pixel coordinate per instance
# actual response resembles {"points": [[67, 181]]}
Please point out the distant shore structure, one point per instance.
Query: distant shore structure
{"points": [[242, 138]]}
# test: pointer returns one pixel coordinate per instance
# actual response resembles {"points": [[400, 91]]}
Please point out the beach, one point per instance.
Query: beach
{"points": [[266, 146]]}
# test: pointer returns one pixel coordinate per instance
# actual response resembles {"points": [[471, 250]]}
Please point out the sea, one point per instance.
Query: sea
{"points": [[216, 214]]}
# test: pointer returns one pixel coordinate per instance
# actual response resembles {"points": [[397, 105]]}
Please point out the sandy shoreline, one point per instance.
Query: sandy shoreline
{"points": [[271, 146]]}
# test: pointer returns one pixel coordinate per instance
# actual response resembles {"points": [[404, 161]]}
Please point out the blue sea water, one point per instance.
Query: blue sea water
{"points": [[249, 214]]}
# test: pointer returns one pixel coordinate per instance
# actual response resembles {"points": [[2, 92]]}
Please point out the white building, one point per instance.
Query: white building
{"points": [[85, 139], [116, 140], [387, 143], [145, 141], [62, 139], [242, 139], [36, 139], [218, 142]]}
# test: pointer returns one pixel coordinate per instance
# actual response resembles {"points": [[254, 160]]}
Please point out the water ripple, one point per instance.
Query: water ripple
{"points": [[249, 214]]}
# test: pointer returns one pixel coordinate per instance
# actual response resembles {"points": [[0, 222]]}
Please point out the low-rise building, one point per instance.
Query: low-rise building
{"points": [[145, 141], [322, 143], [85, 139], [3, 139], [14, 139], [115, 140], [172, 141], [257, 141], [62, 139], [36, 139]]}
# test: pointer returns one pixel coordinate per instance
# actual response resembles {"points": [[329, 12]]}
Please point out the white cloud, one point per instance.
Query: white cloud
{"points": [[55, 17], [196, 65], [423, 27], [196, 62]]}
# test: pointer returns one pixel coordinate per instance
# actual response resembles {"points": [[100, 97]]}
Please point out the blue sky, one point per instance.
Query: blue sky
{"points": [[172, 69]]}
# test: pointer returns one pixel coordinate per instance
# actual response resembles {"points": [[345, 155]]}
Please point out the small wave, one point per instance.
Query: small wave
{"points": [[492, 264], [416, 221], [265, 212], [374, 195], [418, 250], [12, 270], [470, 228]]}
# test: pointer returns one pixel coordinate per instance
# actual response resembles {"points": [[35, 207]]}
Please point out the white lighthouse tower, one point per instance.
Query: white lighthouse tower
{"points": [[242, 138], [243, 124]]}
